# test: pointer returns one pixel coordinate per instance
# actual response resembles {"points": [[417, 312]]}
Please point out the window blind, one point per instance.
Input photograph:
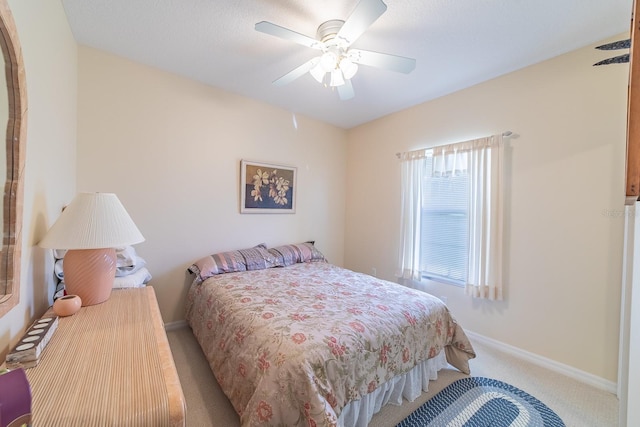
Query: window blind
{"points": [[445, 230]]}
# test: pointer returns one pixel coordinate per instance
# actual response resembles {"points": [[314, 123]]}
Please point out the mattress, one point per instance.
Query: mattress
{"points": [[296, 345]]}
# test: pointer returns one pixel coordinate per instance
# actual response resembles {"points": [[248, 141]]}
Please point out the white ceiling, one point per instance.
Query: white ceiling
{"points": [[456, 44]]}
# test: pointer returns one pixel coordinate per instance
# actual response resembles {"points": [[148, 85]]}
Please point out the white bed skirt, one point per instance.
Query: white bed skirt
{"points": [[408, 386]]}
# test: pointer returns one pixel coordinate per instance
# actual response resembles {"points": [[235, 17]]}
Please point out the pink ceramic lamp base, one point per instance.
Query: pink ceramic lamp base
{"points": [[89, 273]]}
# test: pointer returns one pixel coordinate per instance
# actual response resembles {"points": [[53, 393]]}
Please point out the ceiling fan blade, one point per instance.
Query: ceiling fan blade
{"points": [[386, 61], [621, 59], [620, 44], [365, 14], [345, 91], [297, 72], [287, 34]]}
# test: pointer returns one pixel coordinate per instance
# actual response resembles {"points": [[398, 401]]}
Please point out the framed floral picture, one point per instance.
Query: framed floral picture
{"points": [[267, 188]]}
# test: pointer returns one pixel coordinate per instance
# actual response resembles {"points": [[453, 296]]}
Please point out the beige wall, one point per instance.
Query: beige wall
{"points": [[565, 196], [50, 56], [170, 148]]}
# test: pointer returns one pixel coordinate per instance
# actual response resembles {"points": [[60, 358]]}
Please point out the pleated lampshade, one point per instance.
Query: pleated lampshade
{"points": [[92, 221], [90, 228]]}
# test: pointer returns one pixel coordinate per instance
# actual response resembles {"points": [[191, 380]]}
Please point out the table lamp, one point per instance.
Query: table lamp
{"points": [[90, 228]]}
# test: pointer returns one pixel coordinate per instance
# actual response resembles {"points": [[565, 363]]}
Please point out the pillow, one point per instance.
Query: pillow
{"points": [[256, 258], [291, 254]]}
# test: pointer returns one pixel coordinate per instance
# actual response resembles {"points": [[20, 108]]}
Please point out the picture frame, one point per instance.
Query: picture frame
{"points": [[267, 187]]}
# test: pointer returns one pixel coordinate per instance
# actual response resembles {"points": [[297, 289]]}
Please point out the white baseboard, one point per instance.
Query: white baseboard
{"points": [[552, 365], [172, 326]]}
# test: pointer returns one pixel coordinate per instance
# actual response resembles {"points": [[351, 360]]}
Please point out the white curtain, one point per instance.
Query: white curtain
{"points": [[483, 160], [414, 166], [486, 219]]}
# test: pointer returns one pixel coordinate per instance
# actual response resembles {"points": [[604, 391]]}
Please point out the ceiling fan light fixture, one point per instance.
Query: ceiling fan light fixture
{"points": [[349, 68], [318, 73], [337, 78], [328, 61]]}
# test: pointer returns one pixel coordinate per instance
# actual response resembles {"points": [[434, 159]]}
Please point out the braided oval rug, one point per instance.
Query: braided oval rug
{"points": [[482, 402]]}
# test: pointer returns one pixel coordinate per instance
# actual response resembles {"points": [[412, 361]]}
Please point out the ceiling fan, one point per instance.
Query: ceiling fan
{"points": [[620, 59], [336, 62]]}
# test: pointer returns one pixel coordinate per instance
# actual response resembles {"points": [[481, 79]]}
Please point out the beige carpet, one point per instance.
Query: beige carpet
{"points": [[578, 405]]}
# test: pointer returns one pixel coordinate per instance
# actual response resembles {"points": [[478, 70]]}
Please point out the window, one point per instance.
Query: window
{"points": [[451, 216], [444, 230]]}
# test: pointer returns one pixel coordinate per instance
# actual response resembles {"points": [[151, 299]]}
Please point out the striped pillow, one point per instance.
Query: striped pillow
{"points": [[256, 258], [291, 254]]}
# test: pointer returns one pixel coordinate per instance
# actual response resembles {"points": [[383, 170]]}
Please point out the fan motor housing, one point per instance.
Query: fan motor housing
{"points": [[327, 30]]}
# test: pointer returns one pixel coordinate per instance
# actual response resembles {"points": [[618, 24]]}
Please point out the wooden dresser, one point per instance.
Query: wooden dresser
{"points": [[109, 365]]}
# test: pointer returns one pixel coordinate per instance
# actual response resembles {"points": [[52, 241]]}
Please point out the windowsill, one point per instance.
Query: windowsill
{"points": [[430, 285], [442, 281]]}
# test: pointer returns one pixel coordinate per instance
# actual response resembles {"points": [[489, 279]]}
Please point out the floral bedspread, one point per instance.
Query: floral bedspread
{"points": [[292, 346]]}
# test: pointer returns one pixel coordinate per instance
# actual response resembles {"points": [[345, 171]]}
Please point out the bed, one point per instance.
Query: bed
{"points": [[310, 343]]}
